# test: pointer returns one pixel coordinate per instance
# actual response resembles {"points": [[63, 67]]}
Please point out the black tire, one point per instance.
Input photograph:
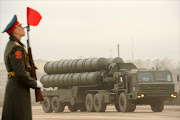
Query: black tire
{"points": [[47, 105], [57, 106], [117, 107], [124, 103], [98, 105], [73, 108], [82, 108], [132, 108], [158, 106], [89, 102]]}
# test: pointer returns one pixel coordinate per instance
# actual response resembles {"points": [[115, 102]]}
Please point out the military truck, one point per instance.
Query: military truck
{"points": [[91, 84]]}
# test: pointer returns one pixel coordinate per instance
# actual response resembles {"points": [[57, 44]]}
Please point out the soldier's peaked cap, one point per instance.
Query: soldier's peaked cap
{"points": [[12, 25]]}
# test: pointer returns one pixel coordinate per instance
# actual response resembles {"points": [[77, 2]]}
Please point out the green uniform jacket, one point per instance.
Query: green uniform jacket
{"points": [[17, 101]]}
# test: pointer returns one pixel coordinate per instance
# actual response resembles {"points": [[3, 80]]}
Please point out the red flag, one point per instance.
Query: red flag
{"points": [[33, 17]]}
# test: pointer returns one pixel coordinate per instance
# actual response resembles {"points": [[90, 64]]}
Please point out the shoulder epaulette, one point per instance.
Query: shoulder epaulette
{"points": [[16, 43]]}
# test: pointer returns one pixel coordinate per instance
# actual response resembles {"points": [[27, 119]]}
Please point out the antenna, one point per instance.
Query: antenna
{"points": [[132, 48], [118, 50]]}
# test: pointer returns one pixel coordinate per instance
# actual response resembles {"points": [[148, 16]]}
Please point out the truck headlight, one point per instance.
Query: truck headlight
{"points": [[173, 95], [140, 95]]}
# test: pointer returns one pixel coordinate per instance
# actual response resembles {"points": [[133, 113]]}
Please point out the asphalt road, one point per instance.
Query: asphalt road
{"points": [[141, 113]]}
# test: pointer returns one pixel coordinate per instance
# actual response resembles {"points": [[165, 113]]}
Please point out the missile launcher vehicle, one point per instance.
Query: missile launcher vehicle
{"points": [[91, 84]]}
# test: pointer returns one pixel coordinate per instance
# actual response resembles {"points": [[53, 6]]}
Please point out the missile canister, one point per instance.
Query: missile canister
{"points": [[115, 60], [76, 66], [71, 79]]}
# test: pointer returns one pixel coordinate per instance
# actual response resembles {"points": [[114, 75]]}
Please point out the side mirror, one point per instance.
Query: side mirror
{"points": [[178, 78]]}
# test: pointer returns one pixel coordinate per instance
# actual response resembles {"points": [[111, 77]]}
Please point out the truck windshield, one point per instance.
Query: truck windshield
{"points": [[145, 77], [163, 76]]}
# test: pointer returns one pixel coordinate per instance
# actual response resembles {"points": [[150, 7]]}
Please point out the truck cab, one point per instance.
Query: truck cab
{"points": [[149, 87], [152, 83]]}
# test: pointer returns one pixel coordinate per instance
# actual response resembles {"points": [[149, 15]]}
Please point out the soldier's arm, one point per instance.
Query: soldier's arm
{"points": [[17, 61]]}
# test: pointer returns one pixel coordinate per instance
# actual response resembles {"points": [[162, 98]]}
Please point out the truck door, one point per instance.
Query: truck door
{"points": [[134, 83], [129, 83]]}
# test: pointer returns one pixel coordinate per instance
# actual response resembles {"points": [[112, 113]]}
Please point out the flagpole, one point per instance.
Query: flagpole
{"points": [[28, 43]]}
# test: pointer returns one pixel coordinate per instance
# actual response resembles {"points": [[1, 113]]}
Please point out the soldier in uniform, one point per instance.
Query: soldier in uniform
{"points": [[17, 101]]}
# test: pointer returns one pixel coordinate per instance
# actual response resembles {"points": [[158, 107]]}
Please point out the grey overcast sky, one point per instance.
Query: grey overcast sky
{"points": [[93, 28]]}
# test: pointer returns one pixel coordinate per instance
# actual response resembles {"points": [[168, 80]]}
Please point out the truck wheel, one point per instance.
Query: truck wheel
{"points": [[117, 107], [90, 102], [158, 106], [124, 103], [47, 105], [132, 108], [73, 108], [57, 106], [98, 105]]}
